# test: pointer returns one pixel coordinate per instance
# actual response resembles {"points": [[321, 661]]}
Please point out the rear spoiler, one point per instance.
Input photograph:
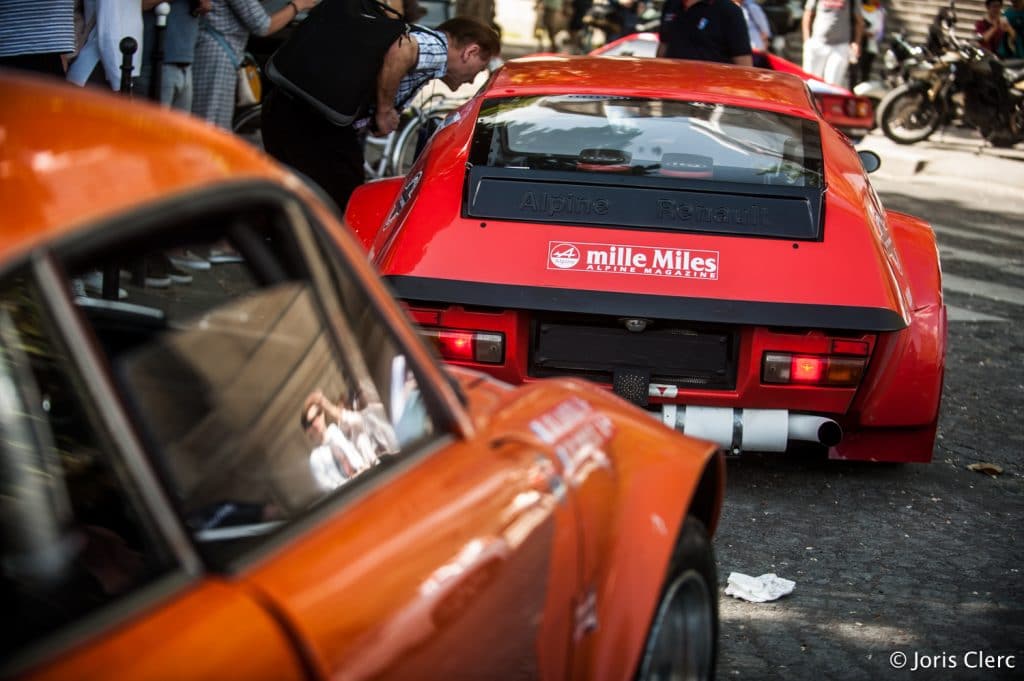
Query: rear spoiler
{"points": [[772, 209]]}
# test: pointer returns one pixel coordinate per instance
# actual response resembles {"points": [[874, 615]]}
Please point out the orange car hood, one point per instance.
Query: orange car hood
{"points": [[56, 177]]}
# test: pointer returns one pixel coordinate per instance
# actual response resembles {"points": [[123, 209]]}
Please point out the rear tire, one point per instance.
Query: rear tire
{"points": [[907, 116], [683, 639]]}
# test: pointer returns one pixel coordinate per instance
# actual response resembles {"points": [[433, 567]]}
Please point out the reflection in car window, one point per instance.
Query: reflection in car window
{"points": [[638, 47], [74, 538], [255, 406], [648, 137]]}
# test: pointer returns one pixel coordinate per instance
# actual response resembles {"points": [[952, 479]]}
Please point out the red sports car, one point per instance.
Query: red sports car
{"points": [[690, 235], [851, 114]]}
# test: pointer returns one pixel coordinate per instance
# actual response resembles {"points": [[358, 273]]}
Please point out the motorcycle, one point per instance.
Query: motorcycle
{"points": [[966, 83], [898, 59]]}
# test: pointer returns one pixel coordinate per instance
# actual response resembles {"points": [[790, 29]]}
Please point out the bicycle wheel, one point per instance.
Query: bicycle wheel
{"points": [[412, 139], [248, 124]]}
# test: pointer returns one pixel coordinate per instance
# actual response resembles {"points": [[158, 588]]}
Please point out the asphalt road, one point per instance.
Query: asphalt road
{"points": [[919, 560]]}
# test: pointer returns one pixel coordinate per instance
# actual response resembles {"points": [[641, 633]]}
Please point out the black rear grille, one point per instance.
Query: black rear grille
{"points": [[689, 356]]}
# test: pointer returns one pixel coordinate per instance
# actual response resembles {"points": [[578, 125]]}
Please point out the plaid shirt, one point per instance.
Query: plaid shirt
{"points": [[432, 63]]}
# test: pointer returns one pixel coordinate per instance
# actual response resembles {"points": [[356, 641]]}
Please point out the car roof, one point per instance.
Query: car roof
{"points": [[70, 156], [645, 77]]}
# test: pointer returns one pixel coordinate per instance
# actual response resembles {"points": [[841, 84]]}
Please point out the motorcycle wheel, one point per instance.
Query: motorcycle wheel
{"points": [[907, 116], [1006, 137]]}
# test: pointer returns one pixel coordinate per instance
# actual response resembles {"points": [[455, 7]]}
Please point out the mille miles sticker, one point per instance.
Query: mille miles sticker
{"points": [[684, 263]]}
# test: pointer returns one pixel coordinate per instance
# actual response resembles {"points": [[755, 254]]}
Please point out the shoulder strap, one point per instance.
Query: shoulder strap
{"points": [[383, 9], [222, 41]]}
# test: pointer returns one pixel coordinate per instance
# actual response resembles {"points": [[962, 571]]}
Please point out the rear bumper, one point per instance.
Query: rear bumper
{"points": [[487, 308]]}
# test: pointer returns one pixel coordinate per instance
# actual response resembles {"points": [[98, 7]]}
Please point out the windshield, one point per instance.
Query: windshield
{"points": [[648, 137]]}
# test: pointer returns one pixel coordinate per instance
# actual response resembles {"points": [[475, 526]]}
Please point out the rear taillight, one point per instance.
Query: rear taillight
{"points": [[793, 369], [858, 107], [467, 346]]}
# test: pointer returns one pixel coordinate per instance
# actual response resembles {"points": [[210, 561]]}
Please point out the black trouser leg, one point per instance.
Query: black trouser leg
{"points": [[330, 155]]}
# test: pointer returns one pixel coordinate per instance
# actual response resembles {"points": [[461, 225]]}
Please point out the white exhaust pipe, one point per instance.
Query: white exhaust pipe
{"points": [[762, 430]]}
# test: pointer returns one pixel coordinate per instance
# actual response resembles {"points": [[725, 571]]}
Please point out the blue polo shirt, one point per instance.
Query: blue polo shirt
{"points": [[179, 38], [710, 30]]}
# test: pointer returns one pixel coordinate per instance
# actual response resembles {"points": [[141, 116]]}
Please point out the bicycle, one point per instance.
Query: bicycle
{"points": [[395, 153]]}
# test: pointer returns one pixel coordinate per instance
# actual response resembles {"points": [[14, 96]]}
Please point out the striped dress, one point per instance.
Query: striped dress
{"points": [[35, 27], [214, 76]]}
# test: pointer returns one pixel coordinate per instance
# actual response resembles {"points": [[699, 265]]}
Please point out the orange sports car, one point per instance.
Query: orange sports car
{"points": [[255, 469]]}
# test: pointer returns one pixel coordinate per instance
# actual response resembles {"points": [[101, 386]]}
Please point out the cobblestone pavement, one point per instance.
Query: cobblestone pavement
{"points": [[920, 559]]}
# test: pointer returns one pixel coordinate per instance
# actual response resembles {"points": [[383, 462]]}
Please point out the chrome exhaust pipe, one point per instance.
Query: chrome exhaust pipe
{"points": [[762, 430]]}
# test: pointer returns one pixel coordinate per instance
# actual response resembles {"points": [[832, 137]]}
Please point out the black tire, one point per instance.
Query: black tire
{"points": [[907, 116], [1010, 134], [682, 642], [248, 124], [1003, 139]]}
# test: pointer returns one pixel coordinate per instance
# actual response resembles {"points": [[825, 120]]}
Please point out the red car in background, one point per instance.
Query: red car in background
{"points": [[849, 113], [694, 236]]}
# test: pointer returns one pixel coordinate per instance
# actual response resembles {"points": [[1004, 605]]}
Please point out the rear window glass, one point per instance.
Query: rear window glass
{"points": [[653, 164], [650, 137]]}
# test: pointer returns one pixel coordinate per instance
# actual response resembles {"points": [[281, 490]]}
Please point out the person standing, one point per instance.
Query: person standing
{"points": [[176, 91], [180, 38], [706, 30], [994, 30], [1015, 16], [332, 155], [873, 15], [579, 10], [35, 36], [108, 22], [625, 14], [549, 22], [758, 28], [220, 47], [832, 32]]}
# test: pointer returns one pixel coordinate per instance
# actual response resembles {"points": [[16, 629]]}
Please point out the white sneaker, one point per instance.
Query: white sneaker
{"points": [[178, 275], [220, 256], [93, 282], [189, 260]]}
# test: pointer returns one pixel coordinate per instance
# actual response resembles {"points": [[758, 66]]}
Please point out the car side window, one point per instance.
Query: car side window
{"points": [[74, 536], [259, 391]]}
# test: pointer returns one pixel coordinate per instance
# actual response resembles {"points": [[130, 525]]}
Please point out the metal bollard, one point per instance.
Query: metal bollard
{"points": [[112, 271], [156, 80], [128, 47]]}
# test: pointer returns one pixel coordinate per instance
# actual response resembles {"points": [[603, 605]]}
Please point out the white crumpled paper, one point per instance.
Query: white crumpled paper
{"points": [[758, 589]]}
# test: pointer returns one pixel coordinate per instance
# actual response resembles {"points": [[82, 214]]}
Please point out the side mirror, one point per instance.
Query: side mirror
{"points": [[870, 160]]}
